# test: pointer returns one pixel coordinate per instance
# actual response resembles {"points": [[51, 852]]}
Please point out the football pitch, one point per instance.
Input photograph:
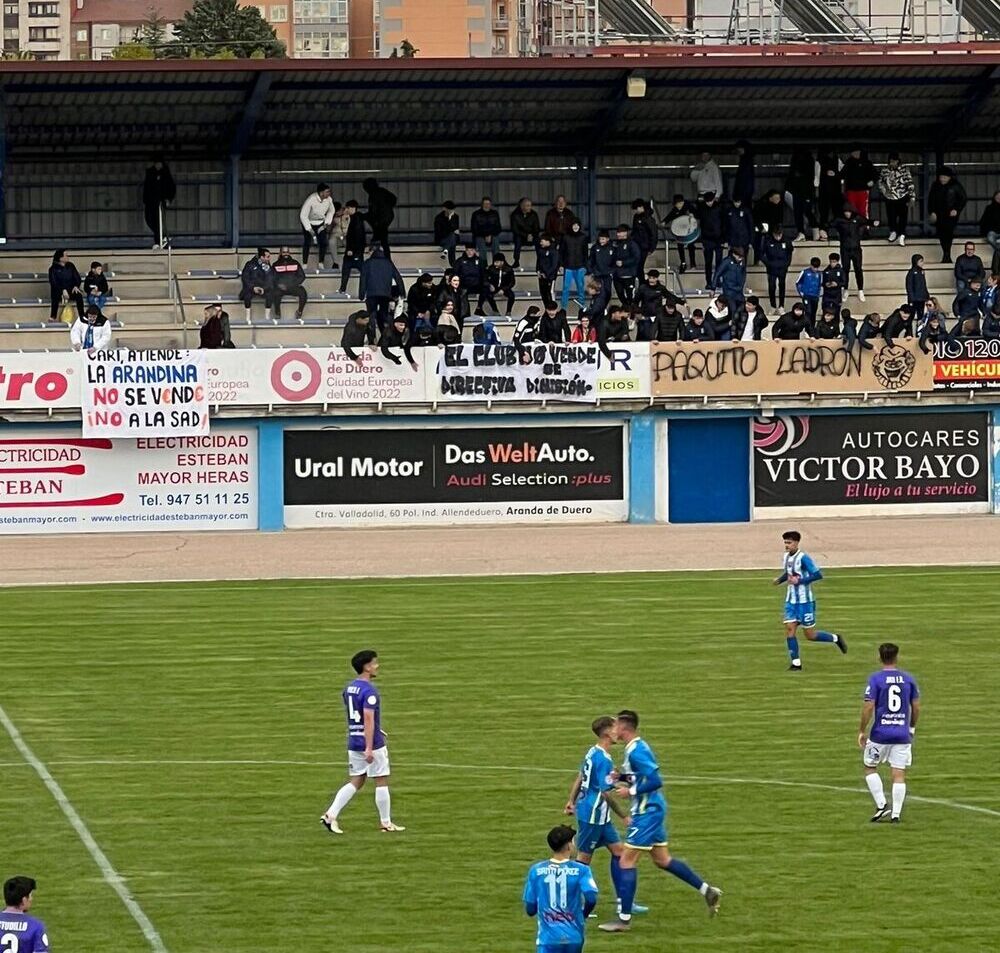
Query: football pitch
{"points": [[198, 732]]}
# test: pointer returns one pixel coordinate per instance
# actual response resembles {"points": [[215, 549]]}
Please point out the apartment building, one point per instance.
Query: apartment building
{"points": [[100, 26], [39, 27]]}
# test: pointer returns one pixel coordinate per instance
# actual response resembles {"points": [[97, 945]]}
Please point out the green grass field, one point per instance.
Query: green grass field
{"points": [[198, 730]]}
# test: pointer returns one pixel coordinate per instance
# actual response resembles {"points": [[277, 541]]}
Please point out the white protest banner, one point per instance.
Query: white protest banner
{"points": [[483, 372], [144, 394]]}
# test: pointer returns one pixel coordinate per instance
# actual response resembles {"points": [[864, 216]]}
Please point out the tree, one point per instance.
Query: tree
{"points": [[211, 27], [153, 33], [133, 51]]}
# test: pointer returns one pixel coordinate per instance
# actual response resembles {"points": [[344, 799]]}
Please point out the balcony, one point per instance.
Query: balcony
{"points": [[501, 24]]}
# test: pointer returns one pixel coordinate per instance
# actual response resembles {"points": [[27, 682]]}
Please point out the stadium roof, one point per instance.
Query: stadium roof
{"points": [[916, 97]]}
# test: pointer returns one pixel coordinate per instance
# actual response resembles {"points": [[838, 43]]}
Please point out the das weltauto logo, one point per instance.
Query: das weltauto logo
{"points": [[44, 472]]}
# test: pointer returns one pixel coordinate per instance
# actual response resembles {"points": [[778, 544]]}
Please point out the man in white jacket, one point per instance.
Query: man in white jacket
{"points": [[92, 332], [706, 175], [316, 217]]}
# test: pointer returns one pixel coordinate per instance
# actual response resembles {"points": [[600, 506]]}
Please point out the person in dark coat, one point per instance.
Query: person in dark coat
{"points": [[355, 242], [934, 332], [499, 279], [768, 214], [447, 231], [547, 267], [651, 295], [471, 269], [968, 266], [485, 333], [257, 280], [289, 279], [731, 277], [698, 329], [158, 190], [871, 327], [750, 323], [485, 227], [525, 227], [95, 286], [738, 224], [380, 283], [64, 284], [452, 293], [834, 282], [709, 214], [397, 335], [831, 197], [800, 181], [625, 268], [668, 324], [898, 324], [827, 328], [989, 225], [356, 332], [216, 328], [598, 300], [945, 202], [776, 253], [601, 261], [380, 214], [526, 330], [553, 327], [574, 250], [966, 303], [681, 206], [421, 297], [917, 294], [858, 176], [743, 180], [644, 233], [558, 218], [613, 330], [851, 228], [791, 324]]}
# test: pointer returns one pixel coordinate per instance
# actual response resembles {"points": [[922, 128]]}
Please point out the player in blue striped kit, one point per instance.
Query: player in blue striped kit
{"points": [[799, 573]]}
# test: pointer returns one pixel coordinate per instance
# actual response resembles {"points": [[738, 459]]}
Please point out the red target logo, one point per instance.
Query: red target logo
{"points": [[296, 376]]}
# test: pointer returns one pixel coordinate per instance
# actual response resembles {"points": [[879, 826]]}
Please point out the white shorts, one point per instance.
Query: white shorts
{"points": [[898, 756], [379, 768]]}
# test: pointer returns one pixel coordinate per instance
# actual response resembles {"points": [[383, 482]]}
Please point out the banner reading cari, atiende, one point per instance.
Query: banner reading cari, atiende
{"points": [[789, 367]]}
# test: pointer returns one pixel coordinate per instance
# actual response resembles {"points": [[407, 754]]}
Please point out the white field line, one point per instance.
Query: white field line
{"points": [[111, 876], [692, 779]]}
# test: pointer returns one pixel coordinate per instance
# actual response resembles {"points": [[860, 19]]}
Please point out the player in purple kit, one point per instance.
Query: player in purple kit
{"points": [[892, 707], [367, 754], [20, 933]]}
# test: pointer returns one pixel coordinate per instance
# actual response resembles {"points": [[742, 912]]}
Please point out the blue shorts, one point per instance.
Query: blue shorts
{"points": [[648, 830], [589, 837], [563, 948], [802, 612]]}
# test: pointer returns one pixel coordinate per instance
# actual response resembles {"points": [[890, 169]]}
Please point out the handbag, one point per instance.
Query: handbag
{"points": [[68, 313]]}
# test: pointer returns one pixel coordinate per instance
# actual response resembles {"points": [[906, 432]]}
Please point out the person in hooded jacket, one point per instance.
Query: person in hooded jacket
{"points": [[859, 177], [380, 283], [895, 182], [485, 333], [801, 180], [738, 224], [397, 335], [547, 267], [791, 324], [355, 242], [776, 253], [553, 327], [356, 332], [827, 328], [95, 285], [917, 294], [710, 219], [421, 296], [681, 206], [525, 227], [744, 179], [500, 279], [573, 253], [423, 332], [380, 214], [719, 317], [64, 283], [945, 202], [91, 332], [698, 330], [731, 277], [934, 332], [644, 232], [289, 279], [871, 327], [768, 214], [668, 325], [526, 330]]}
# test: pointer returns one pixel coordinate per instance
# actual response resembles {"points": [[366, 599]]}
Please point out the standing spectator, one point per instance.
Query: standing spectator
{"points": [[834, 282], [776, 252], [257, 280], [789, 326], [421, 297], [966, 303], [380, 214], [809, 285], [380, 283], [828, 326], [738, 225], [625, 255], [731, 278], [454, 299], [158, 191], [852, 227], [598, 299], [558, 218], [289, 279], [895, 182], [698, 329], [525, 228], [526, 329], [447, 231], [898, 324], [91, 331], [553, 328], [744, 180], [614, 330], [768, 214], [989, 225], [709, 213], [706, 175], [652, 294], [356, 332], [499, 279], [668, 325], [486, 228], [448, 329], [858, 176], [719, 318], [212, 334], [934, 332], [573, 253], [64, 284], [831, 199], [547, 265], [355, 241], [316, 217], [681, 208], [338, 230], [95, 286], [471, 270], [871, 327], [917, 295], [751, 322], [968, 267], [801, 181], [644, 232], [584, 332], [602, 261], [397, 335], [991, 325], [989, 294], [946, 200]]}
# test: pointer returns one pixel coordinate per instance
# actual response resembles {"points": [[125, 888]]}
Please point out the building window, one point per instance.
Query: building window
{"points": [[11, 33], [500, 44], [320, 11], [321, 44], [43, 9], [43, 33], [279, 14], [81, 36], [105, 35], [10, 10]]}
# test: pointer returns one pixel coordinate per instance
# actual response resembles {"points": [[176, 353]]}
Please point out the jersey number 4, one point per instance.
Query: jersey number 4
{"points": [[556, 880], [352, 712]]}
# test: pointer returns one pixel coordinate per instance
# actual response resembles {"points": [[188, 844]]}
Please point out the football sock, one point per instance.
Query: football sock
{"points": [[898, 796], [341, 800], [382, 803], [825, 637], [681, 870], [874, 782], [627, 878], [793, 647], [616, 878]]}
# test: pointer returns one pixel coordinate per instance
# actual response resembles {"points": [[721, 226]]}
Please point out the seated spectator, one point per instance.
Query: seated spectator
{"points": [[421, 296], [95, 286], [558, 219], [614, 329], [289, 279], [215, 312], [423, 331], [584, 332], [397, 335], [934, 331], [989, 294], [258, 281], [698, 329], [470, 270], [848, 328], [447, 231], [64, 284], [525, 227], [898, 324], [933, 307], [91, 332], [485, 333], [499, 279], [553, 327], [485, 227], [448, 328], [966, 329], [791, 324], [381, 283], [750, 323], [355, 334], [968, 268]]}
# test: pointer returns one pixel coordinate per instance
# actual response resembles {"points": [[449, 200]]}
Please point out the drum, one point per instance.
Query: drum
{"points": [[685, 229]]}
